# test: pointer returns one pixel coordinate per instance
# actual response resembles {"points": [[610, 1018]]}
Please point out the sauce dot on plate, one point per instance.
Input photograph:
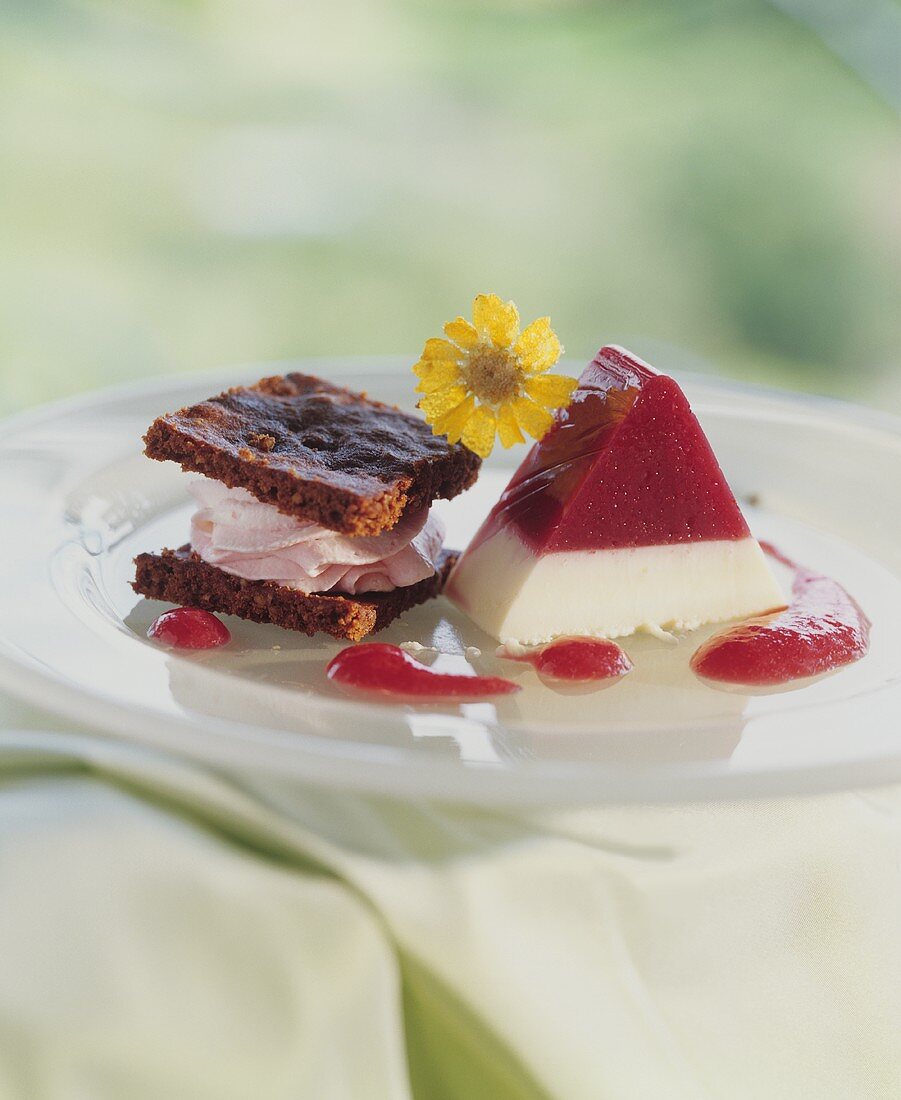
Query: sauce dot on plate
{"points": [[573, 660], [189, 628], [380, 669]]}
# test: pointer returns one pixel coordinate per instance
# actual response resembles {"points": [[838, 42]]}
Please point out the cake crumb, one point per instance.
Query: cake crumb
{"points": [[416, 647], [472, 652], [263, 440]]}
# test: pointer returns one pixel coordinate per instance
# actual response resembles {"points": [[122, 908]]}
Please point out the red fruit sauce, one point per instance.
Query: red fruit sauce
{"points": [[823, 629], [189, 628], [380, 669], [575, 660], [625, 464]]}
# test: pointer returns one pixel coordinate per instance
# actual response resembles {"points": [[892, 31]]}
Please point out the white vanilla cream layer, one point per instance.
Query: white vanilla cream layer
{"points": [[518, 597], [239, 534]]}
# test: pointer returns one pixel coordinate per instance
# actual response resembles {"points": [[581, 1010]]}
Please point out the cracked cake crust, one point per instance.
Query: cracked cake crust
{"points": [[316, 451]]}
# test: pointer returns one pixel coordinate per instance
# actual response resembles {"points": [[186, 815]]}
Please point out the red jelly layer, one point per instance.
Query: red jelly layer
{"points": [[626, 464], [189, 628], [576, 660], [381, 669], [823, 629]]}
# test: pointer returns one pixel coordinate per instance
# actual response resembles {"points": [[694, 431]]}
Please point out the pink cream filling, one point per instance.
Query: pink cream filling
{"points": [[239, 534]]}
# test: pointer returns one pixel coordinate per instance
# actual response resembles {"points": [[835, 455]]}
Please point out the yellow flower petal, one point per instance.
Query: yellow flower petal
{"points": [[478, 435], [531, 417], [538, 347], [552, 391], [436, 348], [507, 428], [437, 404], [463, 334], [423, 367], [496, 319], [452, 423], [440, 374]]}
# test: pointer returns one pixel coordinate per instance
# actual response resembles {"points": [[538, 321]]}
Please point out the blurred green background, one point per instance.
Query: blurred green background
{"points": [[188, 184]]}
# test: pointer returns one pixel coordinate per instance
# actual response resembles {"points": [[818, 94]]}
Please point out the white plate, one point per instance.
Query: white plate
{"points": [[78, 501]]}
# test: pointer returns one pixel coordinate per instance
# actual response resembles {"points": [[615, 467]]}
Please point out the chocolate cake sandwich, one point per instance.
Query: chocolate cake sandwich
{"points": [[313, 508]]}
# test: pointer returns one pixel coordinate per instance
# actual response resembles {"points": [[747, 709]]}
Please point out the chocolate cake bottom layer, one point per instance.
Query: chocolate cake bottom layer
{"points": [[182, 577]]}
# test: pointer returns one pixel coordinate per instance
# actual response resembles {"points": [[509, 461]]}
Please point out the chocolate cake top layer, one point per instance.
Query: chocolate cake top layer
{"points": [[315, 451]]}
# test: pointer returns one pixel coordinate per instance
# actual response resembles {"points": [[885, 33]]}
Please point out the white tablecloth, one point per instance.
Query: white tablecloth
{"points": [[173, 933]]}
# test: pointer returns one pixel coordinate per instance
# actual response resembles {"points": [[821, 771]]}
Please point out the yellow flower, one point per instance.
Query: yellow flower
{"points": [[489, 379]]}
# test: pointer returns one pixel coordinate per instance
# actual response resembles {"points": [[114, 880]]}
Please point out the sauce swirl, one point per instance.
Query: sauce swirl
{"points": [[823, 629]]}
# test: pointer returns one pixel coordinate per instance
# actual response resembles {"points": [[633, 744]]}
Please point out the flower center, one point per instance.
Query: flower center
{"points": [[493, 374]]}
